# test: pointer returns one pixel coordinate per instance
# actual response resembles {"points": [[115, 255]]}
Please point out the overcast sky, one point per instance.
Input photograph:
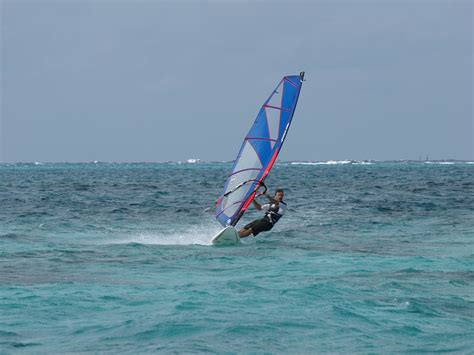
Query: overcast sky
{"points": [[157, 81]]}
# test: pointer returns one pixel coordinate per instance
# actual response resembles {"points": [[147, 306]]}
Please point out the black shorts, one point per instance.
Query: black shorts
{"points": [[259, 225]]}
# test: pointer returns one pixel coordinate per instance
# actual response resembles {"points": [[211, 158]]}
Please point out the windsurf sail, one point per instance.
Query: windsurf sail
{"points": [[259, 150]]}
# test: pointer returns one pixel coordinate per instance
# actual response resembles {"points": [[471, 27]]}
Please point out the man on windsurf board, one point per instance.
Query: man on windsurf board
{"points": [[274, 210]]}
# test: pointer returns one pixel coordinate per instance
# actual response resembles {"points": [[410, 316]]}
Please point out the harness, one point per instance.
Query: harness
{"points": [[272, 213]]}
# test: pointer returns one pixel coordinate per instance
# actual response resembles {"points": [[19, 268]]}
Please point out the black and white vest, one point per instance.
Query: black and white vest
{"points": [[274, 211]]}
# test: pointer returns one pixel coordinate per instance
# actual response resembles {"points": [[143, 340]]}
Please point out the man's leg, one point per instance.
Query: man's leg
{"points": [[245, 232]]}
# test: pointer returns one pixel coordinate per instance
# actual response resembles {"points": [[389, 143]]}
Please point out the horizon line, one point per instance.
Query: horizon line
{"points": [[200, 161]]}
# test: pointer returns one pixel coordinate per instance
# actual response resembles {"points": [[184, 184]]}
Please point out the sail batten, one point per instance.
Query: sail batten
{"points": [[259, 150]]}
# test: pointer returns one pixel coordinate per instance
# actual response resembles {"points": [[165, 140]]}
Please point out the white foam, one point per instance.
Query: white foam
{"points": [[303, 163], [333, 162], [363, 163], [329, 162], [197, 235], [440, 162]]}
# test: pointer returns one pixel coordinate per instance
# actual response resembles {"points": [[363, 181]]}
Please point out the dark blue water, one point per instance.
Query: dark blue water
{"points": [[370, 258]]}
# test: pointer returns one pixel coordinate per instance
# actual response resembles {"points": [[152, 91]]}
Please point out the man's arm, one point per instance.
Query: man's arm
{"points": [[257, 205]]}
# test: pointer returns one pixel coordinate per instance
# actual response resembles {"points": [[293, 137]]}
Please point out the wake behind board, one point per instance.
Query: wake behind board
{"points": [[227, 236]]}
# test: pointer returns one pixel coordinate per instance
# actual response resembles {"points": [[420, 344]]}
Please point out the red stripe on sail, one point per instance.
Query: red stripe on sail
{"points": [[265, 173]]}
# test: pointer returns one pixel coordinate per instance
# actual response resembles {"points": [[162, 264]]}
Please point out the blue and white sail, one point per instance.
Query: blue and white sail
{"points": [[259, 150]]}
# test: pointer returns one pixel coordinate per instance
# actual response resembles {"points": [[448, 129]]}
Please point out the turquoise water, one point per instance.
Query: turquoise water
{"points": [[370, 258]]}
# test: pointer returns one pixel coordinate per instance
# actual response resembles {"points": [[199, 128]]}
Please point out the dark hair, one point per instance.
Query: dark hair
{"points": [[279, 190]]}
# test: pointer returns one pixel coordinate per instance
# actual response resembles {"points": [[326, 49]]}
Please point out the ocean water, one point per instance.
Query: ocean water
{"points": [[370, 258]]}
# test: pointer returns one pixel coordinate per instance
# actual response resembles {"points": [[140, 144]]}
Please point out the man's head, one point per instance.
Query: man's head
{"points": [[279, 194]]}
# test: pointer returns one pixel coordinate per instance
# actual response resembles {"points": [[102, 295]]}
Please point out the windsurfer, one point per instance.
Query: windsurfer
{"points": [[274, 211]]}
